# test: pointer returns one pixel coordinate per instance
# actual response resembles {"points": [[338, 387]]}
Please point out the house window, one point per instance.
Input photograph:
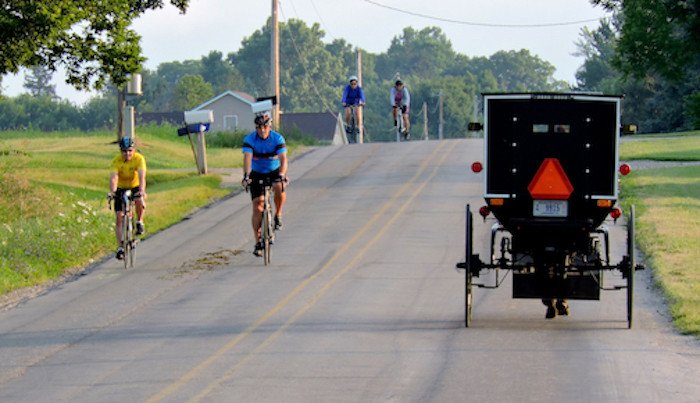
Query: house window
{"points": [[230, 122]]}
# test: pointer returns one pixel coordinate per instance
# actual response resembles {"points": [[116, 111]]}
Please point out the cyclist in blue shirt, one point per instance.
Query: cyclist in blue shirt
{"points": [[264, 156], [352, 95]]}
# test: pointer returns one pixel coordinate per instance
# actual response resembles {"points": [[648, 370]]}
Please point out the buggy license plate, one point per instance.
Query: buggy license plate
{"points": [[550, 208]]}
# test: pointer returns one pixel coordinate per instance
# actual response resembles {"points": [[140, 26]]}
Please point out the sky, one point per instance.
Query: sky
{"points": [[548, 28]]}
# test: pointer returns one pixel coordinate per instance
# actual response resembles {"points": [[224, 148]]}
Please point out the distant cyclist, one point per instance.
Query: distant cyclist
{"points": [[128, 173], [352, 96], [264, 156], [400, 98]]}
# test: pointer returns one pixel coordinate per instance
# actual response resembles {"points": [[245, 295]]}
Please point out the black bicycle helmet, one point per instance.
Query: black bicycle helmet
{"points": [[125, 143], [263, 120]]}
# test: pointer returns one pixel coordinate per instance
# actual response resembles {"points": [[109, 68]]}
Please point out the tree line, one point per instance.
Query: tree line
{"points": [[661, 91]]}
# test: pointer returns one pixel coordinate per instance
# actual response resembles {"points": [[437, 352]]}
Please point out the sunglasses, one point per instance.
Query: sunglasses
{"points": [[128, 151]]}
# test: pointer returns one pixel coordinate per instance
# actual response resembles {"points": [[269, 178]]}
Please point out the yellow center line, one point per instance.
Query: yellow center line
{"points": [[320, 293], [192, 373]]}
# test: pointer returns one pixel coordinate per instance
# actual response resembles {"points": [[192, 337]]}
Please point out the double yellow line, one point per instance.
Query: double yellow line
{"points": [[358, 254]]}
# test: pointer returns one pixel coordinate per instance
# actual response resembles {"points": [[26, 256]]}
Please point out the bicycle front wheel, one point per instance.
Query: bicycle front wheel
{"points": [[266, 235], [126, 241]]}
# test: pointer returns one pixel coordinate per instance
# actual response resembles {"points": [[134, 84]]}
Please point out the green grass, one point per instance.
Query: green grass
{"points": [[53, 210], [667, 202], [672, 147]]}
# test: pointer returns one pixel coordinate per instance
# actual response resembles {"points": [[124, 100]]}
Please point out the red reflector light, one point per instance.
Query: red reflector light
{"points": [[550, 182], [616, 213], [477, 167], [625, 169], [484, 211]]}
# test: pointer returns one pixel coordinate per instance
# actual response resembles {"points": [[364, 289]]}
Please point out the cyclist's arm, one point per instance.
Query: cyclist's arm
{"points": [[362, 96], [247, 164], [142, 182], [406, 99], [392, 97], [113, 178], [283, 164], [344, 99]]}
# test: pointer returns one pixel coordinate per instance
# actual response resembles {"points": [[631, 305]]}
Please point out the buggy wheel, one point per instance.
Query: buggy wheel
{"points": [[631, 266], [467, 271]]}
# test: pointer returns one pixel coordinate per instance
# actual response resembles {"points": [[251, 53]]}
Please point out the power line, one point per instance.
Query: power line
{"points": [[480, 24], [303, 65]]}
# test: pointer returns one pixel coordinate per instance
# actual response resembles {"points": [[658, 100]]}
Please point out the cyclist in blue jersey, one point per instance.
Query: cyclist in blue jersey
{"points": [[264, 156], [352, 96]]}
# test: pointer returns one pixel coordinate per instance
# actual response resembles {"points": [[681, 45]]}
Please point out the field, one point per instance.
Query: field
{"points": [[667, 201], [53, 210]]}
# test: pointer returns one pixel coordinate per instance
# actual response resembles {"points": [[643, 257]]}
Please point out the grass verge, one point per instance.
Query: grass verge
{"points": [[668, 221], [53, 210]]}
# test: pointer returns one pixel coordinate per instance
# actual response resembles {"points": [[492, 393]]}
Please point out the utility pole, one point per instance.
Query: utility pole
{"points": [[275, 61], [440, 122], [425, 121], [360, 124]]}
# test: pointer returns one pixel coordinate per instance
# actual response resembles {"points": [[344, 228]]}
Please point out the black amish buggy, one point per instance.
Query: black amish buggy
{"points": [[550, 173]]}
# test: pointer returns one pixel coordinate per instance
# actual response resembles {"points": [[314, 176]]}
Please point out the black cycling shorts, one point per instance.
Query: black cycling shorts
{"points": [[118, 204], [256, 189]]}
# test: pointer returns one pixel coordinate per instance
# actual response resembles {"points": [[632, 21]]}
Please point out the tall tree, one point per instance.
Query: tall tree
{"points": [[221, 74], [38, 82], [425, 53], [310, 76], [90, 38], [190, 91], [661, 36]]}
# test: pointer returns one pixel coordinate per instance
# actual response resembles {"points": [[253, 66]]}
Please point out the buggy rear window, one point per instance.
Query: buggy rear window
{"points": [[545, 128]]}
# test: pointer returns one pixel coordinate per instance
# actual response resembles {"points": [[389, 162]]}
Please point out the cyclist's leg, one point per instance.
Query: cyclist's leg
{"points": [[393, 113], [280, 198], [348, 114], [406, 121], [119, 214], [257, 198]]}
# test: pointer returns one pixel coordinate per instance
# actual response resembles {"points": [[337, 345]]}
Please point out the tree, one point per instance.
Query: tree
{"points": [[521, 71], [661, 36], [310, 76], [598, 49], [90, 38], [190, 91], [38, 82], [221, 74], [425, 53]]}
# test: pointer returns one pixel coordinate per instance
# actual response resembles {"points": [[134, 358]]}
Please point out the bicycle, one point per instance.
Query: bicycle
{"points": [[399, 124], [267, 225], [354, 130], [129, 239]]}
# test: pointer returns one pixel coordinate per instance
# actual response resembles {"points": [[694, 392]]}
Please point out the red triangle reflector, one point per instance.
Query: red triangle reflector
{"points": [[550, 182]]}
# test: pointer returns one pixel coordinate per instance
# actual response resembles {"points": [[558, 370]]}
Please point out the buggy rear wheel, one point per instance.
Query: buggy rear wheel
{"points": [[467, 270], [631, 266]]}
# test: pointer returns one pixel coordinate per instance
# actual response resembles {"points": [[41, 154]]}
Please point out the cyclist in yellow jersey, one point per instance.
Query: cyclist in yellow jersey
{"points": [[128, 172]]}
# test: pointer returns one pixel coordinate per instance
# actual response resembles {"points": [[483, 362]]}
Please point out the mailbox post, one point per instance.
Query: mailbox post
{"points": [[198, 122]]}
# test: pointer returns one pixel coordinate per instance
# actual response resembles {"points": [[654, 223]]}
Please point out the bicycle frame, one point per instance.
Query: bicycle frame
{"points": [[128, 229], [267, 226], [399, 123]]}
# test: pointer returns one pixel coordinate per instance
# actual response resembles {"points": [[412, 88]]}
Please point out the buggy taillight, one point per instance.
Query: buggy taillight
{"points": [[625, 169], [477, 167], [615, 213]]}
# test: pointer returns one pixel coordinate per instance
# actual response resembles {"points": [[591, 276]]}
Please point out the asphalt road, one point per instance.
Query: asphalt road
{"points": [[361, 303]]}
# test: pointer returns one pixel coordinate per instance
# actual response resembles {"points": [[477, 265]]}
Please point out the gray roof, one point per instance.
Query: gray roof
{"points": [[242, 96], [320, 125]]}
